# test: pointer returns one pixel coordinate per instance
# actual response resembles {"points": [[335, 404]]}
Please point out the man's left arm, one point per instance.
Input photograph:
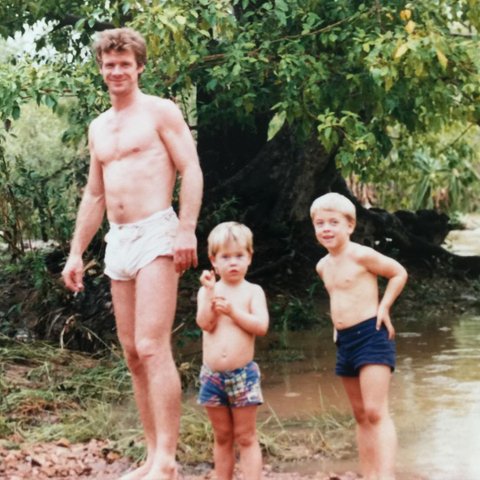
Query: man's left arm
{"points": [[182, 150]]}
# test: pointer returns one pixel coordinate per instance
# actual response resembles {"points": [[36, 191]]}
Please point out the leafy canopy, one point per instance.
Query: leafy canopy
{"points": [[368, 77]]}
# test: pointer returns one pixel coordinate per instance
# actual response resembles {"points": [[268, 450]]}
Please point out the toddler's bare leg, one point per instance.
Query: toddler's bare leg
{"points": [[223, 448], [245, 427]]}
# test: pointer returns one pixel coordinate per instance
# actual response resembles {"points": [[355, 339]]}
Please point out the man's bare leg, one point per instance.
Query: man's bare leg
{"points": [[123, 296], [156, 299]]}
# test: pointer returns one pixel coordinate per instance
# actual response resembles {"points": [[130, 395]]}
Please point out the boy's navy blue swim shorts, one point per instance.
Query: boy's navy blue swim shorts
{"points": [[362, 344]]}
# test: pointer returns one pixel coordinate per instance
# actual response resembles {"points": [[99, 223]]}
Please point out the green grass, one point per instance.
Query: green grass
{"points": [[48, 394]]}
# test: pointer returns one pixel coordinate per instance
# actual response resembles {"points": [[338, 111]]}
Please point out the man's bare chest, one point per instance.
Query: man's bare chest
{"points": [[117, 141]]}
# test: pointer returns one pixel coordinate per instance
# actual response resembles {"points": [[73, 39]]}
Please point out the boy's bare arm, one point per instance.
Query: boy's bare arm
{"points": [[255, 321], [319, 267], [386, 267], [206, 317]]}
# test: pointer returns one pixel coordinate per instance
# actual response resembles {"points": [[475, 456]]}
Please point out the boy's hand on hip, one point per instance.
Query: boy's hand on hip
{"points": [[383, 316]]}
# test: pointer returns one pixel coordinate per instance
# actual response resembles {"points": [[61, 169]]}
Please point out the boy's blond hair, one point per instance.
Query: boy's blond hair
{"points": [[334, 202], [229, 231], [121, 40]]}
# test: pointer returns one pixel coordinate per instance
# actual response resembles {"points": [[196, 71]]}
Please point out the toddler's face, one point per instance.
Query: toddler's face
{"points": [[231, 262], [332, 228]]}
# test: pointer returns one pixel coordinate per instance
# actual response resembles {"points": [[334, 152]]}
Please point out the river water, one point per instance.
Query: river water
{"points": [[435, 396], [435, 393]]}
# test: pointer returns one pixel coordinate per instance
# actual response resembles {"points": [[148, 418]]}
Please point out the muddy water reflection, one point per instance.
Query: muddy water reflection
{"points": [[435, 395]]}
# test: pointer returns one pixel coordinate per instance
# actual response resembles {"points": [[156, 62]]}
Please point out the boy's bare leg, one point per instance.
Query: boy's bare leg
{"points": [[123, 295], [154, 375], [366, 451], [245, 428], [377, 441], [223, 449], [375, 385]]}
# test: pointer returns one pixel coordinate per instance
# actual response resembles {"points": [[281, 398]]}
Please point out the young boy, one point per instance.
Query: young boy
{"points": [[364, 331], [231, 313]]}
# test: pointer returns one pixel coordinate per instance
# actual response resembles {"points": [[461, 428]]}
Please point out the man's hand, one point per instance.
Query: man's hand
{"points": [[73, 273], [185, 250]]}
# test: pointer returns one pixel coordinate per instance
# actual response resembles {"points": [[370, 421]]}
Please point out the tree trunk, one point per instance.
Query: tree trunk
{"points": [[274, 184]]}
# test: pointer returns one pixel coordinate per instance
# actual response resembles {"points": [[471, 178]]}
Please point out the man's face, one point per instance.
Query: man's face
{"points": [[120, 71]]}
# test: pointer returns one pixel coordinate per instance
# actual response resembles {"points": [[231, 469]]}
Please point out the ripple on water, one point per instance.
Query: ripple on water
{"points": [[408, 334], [437, 368]]}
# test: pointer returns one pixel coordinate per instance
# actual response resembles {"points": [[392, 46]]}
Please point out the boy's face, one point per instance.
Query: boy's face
{"points": [[332, 229], [231, 262]]}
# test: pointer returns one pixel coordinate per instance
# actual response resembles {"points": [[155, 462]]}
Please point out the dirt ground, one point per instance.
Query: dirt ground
{"points": [[95, 460]]}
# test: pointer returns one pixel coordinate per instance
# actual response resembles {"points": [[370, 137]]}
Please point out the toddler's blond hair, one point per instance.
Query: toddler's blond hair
{"points": [[229, 231], [334, 202]]}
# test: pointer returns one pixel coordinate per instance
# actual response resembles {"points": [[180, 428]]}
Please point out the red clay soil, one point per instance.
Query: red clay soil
{"points": [[95, 460]]}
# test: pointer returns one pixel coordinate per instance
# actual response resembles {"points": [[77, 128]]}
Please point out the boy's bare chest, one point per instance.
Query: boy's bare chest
{"points": [[342, 275]]}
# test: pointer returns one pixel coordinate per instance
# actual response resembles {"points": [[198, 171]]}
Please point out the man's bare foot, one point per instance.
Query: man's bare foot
{"points": [[162, 473], [137, 474]]}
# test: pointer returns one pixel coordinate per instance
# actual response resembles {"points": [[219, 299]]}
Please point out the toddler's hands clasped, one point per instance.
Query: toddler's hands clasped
{"points": [[220, 305]]}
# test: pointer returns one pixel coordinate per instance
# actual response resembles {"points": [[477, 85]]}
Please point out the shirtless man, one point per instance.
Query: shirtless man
{"points": [[136, 148], [365, 334]]}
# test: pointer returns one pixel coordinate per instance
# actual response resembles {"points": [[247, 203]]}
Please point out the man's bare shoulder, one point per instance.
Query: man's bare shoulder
{"points": [[161, 105], [166, 111], [99, 121]]}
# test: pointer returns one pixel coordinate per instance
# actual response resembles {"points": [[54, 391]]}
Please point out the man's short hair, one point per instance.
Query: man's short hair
{"points": [[334, 202], [230, 232], [121, 40]]}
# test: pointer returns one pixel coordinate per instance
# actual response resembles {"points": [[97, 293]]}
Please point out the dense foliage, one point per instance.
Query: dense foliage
{"points": [[379, 83], [389, 91]]}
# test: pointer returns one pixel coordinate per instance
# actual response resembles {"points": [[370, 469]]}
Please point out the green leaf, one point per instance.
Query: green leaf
{"points": [[442, 58], [401, 50], [276, 123], [16, 112], [181, 20]]}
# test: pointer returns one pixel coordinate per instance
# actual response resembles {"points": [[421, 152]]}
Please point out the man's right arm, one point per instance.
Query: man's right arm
{"points": [[89, 218]]}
